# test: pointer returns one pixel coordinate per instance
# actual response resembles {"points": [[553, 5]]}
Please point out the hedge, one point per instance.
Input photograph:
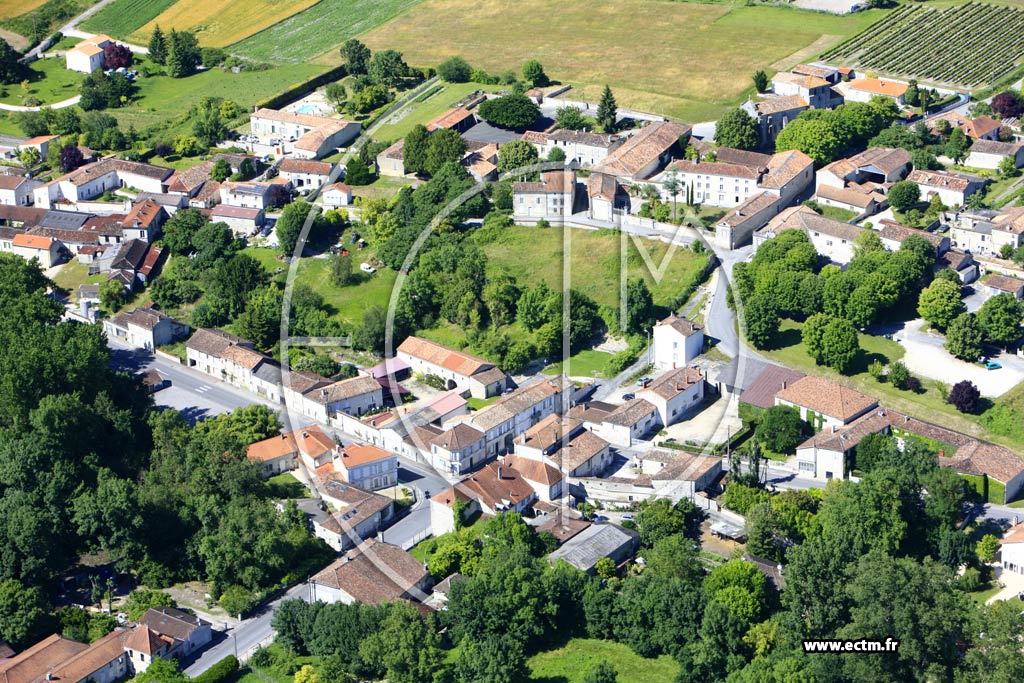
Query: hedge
{"points": [[219, 672], [299, 89]]}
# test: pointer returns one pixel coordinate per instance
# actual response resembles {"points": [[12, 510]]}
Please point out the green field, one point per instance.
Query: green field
{"points": [[585, 363], [318, 29], [571, 663], [403, 121], [49, 81], [121, 18], [687, 60], [348, 303]]}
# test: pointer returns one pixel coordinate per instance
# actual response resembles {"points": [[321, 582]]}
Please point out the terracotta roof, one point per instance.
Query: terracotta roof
{"points": [[1004, 283], [675, 382], [861, 200], [292, 165], [549, 432], [87, 49], [82, 237], [742, 157], [146, 318], [772, 379], [891, 230], [535, 137], [338, 187], [631, 412], [172, 622], [784, 167], [551, 182], [955, 259], [450, 118], [146, 640], [145, 212], [808, 220], [802, 80], [535, 471], [886, 159], [354, 455], [683, 326], [580, 137], [25, 215], [642, 148], [212, 342], [243, 356], [981, 126], [878, 86], [32, 241], [603, 185], [33, 663], [946, 180], [981, 457], [312, 140], [814, 70], [580, 450], [437, 354], [90, 172], [80, 667], [394, 151], [374, 573], [38, 140], [826, 398], [497, 492], [307, 120], [345, 389], [1010, 220], [779, 104], [593, 412], [523, 399], [682, 465], [842, 439], [240, 212], [1006, 149], [189, 179], [715, 168], [11, 182], [458, 437], [312, 441], [1014, 534], [748, 209]]}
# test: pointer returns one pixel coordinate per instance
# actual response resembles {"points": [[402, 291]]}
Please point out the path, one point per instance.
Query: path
{"points": [[69, 102]]}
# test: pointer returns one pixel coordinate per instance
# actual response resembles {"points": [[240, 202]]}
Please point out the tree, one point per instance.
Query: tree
{"points": [[455, 70], [940, 303], [142, 599], [659, 519], [357, 173], [601, 672], [510, 111], [221, 171], [761, 320], [414, 151], [289, 225], [1008, 104], [964, 395], [387, 67], [22, 610], [28, 157], [904, 195], [964, 336], [357, 57], [70, 158], [570, 118], [736, 129], [556, 154], [113, 295], [306, 674], [898, 374], [341, 269], [207, 124], [158, 46], [1008, 168], [445, 145], [957, 146], [534, 74], [839, 345], [492, 659], [11, 70], [987, 548], [516, 154], [760, 80], [822, 139], [640, 311], [183, 54], [370, 334], [607, 111], [1000, 318], [161, 670], [780, 429], [116, 56]]}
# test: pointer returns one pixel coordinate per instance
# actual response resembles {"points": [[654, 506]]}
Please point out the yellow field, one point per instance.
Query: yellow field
{"points": [[12, 8], [221, 22], [678, 58]]}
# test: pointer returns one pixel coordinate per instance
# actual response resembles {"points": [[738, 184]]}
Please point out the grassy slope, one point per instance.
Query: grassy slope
{"points": [[569, 664], [683, 59], [121, 18], [319, 29], [222, 22], [49, 82]]}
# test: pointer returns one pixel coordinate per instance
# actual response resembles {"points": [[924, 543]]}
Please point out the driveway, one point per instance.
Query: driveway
{"points": [[926, 357]]}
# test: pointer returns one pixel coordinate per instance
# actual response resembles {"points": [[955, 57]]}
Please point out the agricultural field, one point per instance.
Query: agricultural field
{"points": [[319, 29], [687, 60], [36, 20], [963, 46], [122, 18], [222, 22], [12, 8]]}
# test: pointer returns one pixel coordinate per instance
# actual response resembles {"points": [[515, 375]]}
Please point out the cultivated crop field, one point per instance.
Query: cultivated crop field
{"points": [[122, 18], [221, 22], [683, 59], [12, 8], [319, 29], [966, 46]]}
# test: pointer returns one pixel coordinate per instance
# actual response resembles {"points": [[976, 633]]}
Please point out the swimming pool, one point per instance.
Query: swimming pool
{"points": [[307, 109]]}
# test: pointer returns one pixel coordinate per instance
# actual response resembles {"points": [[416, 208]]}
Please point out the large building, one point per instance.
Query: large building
{"points": [[313, 136], [677, 341], [552, 198], [458, 370]]}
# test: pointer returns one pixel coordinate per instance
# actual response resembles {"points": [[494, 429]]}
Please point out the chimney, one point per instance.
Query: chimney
{"points": [[833, 429], [783, 384], [500, 471]]}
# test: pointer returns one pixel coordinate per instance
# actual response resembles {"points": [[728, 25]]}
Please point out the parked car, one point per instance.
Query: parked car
{"points": [[627, 517], [992, 365], [367, 268], [599, 519], [628, 397], [644, 381]]}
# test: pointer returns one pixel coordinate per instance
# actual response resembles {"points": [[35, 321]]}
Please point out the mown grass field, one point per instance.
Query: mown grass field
{"points": [[122, 18], [12, 8], [401, 122], [49, 81], [683, 59], [571, 663], [317, 30], [221, 22]]}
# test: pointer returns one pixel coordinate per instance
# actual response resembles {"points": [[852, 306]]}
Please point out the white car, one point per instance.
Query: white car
{"points": [[367, 268]]}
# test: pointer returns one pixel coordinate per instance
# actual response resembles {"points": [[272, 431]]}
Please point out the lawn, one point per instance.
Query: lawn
{"points": [[569, 664], [686, 60], [317, 30], [121, 18], [219, 23], [285, 485], [585, 363], [72, 274], [49, 81], [348, 303], [928, 405], [534, 254], [402, 121]]}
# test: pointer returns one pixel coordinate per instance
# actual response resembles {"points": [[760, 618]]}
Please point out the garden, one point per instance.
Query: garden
{"points": [[47, 81]]}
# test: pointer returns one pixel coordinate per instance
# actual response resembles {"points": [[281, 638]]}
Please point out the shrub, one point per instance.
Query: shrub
{"points": [[964, 395], [219, 672], [898, 374]]}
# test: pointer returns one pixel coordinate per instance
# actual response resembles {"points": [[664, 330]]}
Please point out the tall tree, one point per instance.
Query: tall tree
{"points": [[1000, 318], [158, 46], [445, 145], [11, 70], [940, 303], [957, 146], [183, 54], [964, 337], [534, 74], [736, 129], [387, 67], [607, 111], [357, 57], [760, 80], [414, 150]]}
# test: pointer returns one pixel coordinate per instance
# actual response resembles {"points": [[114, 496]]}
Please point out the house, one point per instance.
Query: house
{"points": [[56, 658], [823, 403], [951, 188], [389, 161], [629, 422], [988, 461], [248, 195], [986, 232], [457, 450], [961, 263], [645, 152], [337, 194], [547, 480], [677, 341], [760, 394], [144, 221], [737, 227], [205, 348], [863, 89], [446, 504], [831, 238], [33, 663], [481, 161], [314, 136], [675, 393], [564, 443], [16, 190], [514, 413], [893, 234], [371, 574], [775, 113], [48, 251], [581, 148], [124, 261], [829, 73], [871, 168], [607, 198], [497, 487], [144, 328], [545, 438], [189, 182], [304, 174], [826, 455], [354, 396], [552, 198], [598, 541], [243, 221], [362, 515], [860, 203], [1011, 555], [459, 370], [789, 175], [107, 175], [1002, 284], [990, 154], [714, 183], [40, 143], [275, 455], [166, 632], [979, 128], [814, 90], [87, 56], [367, 467]]}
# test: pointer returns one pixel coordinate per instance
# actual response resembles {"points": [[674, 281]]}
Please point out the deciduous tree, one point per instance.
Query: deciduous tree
{"points": [[964, 395], [510, 111], [940, 303], [736, 129], [1000, 319]]}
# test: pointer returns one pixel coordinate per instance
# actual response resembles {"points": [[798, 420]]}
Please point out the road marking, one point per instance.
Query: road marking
{"points": [[203, 389]]}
